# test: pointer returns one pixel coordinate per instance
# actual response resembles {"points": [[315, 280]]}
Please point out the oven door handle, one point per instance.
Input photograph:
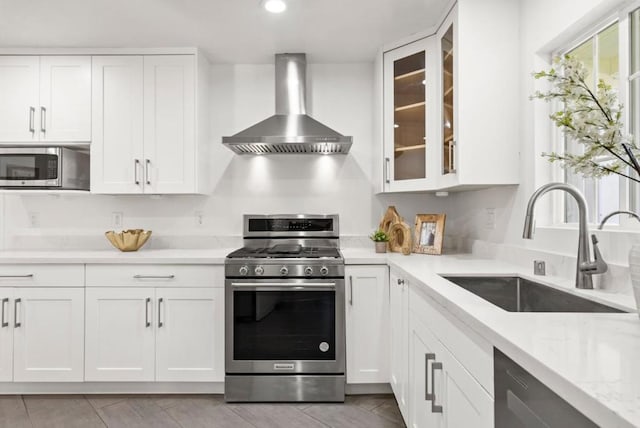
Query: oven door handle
{"points": [[279, 286]]}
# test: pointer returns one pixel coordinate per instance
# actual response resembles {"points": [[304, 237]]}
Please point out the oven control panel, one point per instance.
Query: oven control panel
{"points": [[302, 270]]}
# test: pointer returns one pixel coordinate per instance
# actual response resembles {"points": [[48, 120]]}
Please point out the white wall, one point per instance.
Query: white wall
{"points": [[340, 95]]}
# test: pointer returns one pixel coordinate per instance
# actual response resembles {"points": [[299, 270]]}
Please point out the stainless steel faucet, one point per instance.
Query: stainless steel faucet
{"points": [[608, 216], [585, 267]]}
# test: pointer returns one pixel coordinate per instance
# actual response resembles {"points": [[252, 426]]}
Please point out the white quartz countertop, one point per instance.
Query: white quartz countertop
{"points": [[209, 256], [591, 360]]}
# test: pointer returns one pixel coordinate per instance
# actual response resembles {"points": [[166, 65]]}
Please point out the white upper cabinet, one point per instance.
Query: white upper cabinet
{"points": [[19, 98], [117, 146], [147, 136], [169, 123], [367, 324], [465, 113], [65, 99], [409, 131], [45, 99]]}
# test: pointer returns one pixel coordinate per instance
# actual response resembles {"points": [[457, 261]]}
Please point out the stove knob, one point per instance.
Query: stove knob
{"points": [[308, 271], [259, 270], [324, 270], [244, 270], [284, 271]]}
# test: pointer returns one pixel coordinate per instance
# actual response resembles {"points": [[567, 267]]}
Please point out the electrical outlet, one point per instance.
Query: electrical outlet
{"points": [[199, 218], [34, 219], [490, 218], [116, 220]]}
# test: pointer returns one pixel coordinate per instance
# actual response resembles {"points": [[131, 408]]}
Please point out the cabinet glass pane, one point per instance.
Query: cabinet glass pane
{"points": [[448, 137], [409, 117]]}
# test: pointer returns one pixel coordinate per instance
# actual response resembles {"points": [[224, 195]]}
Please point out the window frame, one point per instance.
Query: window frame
{"points": [[622, 17]]}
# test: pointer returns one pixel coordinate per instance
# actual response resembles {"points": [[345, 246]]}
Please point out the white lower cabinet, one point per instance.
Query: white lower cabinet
{"points": [[431, 385], [399, 326], [367, 324], [190, 334], [42, 334], [120, 334], [155, 334], [443, 393], [421, 354], [6, 334]]}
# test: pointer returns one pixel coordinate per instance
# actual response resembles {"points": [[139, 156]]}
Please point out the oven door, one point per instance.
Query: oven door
{"points": [[30, 167], [285, 326]]}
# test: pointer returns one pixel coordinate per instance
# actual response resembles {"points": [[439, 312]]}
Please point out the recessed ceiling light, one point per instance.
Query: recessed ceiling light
{"points": [[275, 6]]}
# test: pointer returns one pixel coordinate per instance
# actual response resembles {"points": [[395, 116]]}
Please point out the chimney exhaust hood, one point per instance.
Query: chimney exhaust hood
{"points": [[290, 130]]}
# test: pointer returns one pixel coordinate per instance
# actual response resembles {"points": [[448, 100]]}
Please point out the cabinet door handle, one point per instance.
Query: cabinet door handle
{"points": [[43, 119], [435, 408], [350, 290], [5, 303], [452, 168], [427, 396], [147, 168], [160, 301], [146, 312], [29, 275], [136, 167], [154, 276], [32, 114], [387, 166], [16, 302]]}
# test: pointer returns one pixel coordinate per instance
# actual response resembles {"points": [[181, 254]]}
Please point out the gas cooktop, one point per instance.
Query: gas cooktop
{"points": [[280, 251]]}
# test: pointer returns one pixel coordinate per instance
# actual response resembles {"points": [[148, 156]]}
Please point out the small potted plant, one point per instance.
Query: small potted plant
{"points": [[380, 239]]}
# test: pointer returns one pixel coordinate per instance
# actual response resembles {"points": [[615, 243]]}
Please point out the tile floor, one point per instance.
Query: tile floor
{"points": [[192, 411]]}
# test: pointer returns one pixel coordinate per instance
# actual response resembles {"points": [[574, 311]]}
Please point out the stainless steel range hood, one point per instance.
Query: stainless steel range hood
{"points": [[290, 130]]}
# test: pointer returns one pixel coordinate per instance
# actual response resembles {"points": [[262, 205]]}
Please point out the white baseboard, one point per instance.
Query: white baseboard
{"points": [[28, 388], [368, 388]]}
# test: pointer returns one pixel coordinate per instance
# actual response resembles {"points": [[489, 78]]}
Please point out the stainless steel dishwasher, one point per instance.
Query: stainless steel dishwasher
{"points": [[521, 400]]}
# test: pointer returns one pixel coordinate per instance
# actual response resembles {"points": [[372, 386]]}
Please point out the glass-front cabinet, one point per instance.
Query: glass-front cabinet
{"points": [[409, 134], [449, 116], [447, 49]]}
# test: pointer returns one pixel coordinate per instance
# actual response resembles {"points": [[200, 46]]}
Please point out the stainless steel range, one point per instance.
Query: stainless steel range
{"points": [[284, 291]]}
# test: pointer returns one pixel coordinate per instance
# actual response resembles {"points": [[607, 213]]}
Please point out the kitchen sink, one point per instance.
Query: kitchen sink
{"points": [[515, 294]]}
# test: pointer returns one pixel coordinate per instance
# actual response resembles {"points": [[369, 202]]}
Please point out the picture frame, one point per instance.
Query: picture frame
{"points": [[428, 233]]}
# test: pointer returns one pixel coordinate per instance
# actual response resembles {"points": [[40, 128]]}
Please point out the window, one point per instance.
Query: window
{"points": [[600, 53]]}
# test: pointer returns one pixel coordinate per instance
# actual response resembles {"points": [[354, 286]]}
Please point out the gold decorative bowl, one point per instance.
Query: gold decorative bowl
{"points": [[128, 240]]}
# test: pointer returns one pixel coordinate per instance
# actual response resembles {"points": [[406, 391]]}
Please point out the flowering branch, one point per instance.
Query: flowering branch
{"points": [[591, 118]]}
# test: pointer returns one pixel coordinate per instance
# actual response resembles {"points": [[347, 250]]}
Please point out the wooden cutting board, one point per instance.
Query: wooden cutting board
{"points": [[390, 217], [400, 238]]}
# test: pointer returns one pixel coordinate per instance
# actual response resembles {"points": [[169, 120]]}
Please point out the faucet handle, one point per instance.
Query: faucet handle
{"points": [[598, 265]]}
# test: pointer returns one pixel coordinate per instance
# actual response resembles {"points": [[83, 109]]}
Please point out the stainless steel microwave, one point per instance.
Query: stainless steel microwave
{"points": [[44, 168]]}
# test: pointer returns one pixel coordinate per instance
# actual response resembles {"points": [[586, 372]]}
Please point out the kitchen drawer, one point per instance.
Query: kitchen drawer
{"points": [[122, 275], [40, 275], [471, 350]]}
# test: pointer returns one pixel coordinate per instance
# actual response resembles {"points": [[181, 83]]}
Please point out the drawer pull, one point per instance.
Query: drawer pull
{"points": [[154, 276], [5, 303], [29, 275]]}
